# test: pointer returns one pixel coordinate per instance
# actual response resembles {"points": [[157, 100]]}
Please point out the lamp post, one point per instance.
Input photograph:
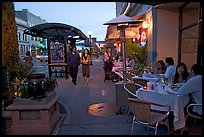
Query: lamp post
{"points": [[90, 33], [122, 23]]}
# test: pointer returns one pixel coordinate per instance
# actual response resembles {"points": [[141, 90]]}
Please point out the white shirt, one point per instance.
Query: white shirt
{"points": [[193, 86], [169, 74]]}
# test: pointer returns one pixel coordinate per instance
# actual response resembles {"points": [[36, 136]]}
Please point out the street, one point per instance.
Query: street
{"points": [[40, 67]]}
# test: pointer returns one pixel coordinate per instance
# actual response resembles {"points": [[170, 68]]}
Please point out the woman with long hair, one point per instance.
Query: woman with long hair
{"points": [[181, 74], [85, 61], [161, 67]]}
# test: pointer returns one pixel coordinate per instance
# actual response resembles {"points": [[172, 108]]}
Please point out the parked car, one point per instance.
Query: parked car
{"points": [[44, 57]]}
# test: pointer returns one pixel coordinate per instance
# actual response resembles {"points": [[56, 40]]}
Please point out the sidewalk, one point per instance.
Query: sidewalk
{"points": [[77, 99]]}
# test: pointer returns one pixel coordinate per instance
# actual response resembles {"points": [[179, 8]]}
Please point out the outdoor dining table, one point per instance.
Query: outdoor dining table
{"points": [[148, 78], [167, 96]]}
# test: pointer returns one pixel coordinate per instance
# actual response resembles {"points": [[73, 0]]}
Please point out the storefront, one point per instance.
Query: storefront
{"points": [[173, 28]]}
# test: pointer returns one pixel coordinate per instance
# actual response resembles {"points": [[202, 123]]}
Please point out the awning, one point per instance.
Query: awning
{"points": [[46, 30]]}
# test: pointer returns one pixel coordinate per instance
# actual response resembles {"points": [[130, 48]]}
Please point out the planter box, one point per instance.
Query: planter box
{"points": [[34, 117]]}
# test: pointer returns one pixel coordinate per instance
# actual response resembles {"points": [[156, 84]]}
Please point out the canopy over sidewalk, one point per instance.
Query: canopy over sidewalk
{"points": [[46, 30]]}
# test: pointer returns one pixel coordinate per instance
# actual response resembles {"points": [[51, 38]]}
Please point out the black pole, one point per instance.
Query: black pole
{"points": [[90, 49]]}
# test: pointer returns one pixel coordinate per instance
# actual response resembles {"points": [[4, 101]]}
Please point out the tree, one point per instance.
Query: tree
{"points": [[10, 54]]}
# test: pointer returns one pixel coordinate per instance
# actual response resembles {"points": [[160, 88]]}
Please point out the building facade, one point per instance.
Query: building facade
{"points": [[24, 20], [174, 29], [23, 42]]}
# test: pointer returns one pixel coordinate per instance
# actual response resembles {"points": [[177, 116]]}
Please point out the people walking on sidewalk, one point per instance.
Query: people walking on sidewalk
{"points": [[85, 61], [73, 60]]}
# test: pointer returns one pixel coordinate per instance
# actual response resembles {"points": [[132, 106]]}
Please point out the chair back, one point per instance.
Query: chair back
{"points": [[131, 88], [142, 82], [195, 106], [140, 109], [129, 76]]}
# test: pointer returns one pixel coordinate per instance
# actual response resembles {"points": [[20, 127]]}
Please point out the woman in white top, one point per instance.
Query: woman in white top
{"points": [[171, 69]]}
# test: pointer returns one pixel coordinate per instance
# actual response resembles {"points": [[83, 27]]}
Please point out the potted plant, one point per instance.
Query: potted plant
{"points": [[50, 84], [11, 80]]}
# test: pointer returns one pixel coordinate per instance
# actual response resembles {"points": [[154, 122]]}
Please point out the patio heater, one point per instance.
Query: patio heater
{"points": [[90, 43], [122, 23]]}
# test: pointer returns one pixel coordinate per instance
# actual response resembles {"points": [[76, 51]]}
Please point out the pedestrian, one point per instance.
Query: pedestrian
{"points": [[73, 60], [85, 61], [107, 55], [28, 59]]}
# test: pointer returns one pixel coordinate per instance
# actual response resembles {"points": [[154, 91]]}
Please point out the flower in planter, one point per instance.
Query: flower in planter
{"points": [[50, 84]]}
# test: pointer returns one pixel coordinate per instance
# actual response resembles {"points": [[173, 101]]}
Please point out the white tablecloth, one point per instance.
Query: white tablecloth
{"points": [[176, 103], [146, 78]]}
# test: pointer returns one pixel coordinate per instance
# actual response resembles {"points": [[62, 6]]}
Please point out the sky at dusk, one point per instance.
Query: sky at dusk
{"points": [[86, 16]]}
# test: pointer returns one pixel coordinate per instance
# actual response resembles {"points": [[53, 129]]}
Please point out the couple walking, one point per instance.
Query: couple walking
{"points": [[74, 60]]}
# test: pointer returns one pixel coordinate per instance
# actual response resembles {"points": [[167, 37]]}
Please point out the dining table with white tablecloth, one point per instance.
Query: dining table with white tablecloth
{"points": [[151, 77], [167, 96]]}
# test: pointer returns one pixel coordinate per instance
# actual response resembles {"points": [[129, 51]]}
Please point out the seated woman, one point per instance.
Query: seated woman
{"points": [[181, 75], [161, 67]]}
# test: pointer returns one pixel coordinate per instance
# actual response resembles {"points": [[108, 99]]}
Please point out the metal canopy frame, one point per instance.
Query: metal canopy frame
{"points": [[52, 32], [47, 30]]}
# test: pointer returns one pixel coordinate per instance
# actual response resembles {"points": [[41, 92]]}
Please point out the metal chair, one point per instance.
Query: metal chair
{"points": [[130, 89], [191, 114], [144, 115], [142, 82]]}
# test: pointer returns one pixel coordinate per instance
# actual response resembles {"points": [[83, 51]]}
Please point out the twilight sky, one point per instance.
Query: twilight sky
{"points": [[86, 16]]}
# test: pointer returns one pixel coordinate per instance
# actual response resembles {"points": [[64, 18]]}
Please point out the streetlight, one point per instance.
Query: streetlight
{"points": [[122, 23], [90, 33]]}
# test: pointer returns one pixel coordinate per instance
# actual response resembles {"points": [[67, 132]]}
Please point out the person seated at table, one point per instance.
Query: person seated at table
{"points": [[193, 87], [131, 62], [181, 75], [171, 69], [161, 67], [118, 63], [116, 57]]}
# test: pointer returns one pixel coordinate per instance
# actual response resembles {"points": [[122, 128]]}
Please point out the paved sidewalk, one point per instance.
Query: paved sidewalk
{"points": [[77, 98]]}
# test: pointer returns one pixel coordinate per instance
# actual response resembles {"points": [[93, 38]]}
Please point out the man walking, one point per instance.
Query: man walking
{"points": [[73, 60]]}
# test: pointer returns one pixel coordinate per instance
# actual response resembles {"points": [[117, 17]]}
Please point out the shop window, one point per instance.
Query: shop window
{"points": [[191, 13]]}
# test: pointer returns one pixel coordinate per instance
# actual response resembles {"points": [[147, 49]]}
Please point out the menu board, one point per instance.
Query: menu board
{"points": [[57, 52]]}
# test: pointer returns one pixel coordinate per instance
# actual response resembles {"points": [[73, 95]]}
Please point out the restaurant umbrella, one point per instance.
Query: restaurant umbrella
{"points": [[122, 23]]}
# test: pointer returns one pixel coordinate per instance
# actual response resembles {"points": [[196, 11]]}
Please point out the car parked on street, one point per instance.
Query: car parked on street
{"points": [[44, 57]]}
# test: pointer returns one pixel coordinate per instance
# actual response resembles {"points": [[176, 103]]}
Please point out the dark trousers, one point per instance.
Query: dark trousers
{"points": [[73, 73]]}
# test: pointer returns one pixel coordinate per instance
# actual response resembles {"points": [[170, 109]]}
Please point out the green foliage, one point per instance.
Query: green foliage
{"points": [[6, 92], [22, 70], [138, 69], [50, 83], [10, 53], [133, 49]]}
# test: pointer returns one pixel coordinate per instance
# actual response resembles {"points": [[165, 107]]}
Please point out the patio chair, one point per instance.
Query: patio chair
{"points": [[144, 115], [142, 82], [191, 114], [130, 89]]}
